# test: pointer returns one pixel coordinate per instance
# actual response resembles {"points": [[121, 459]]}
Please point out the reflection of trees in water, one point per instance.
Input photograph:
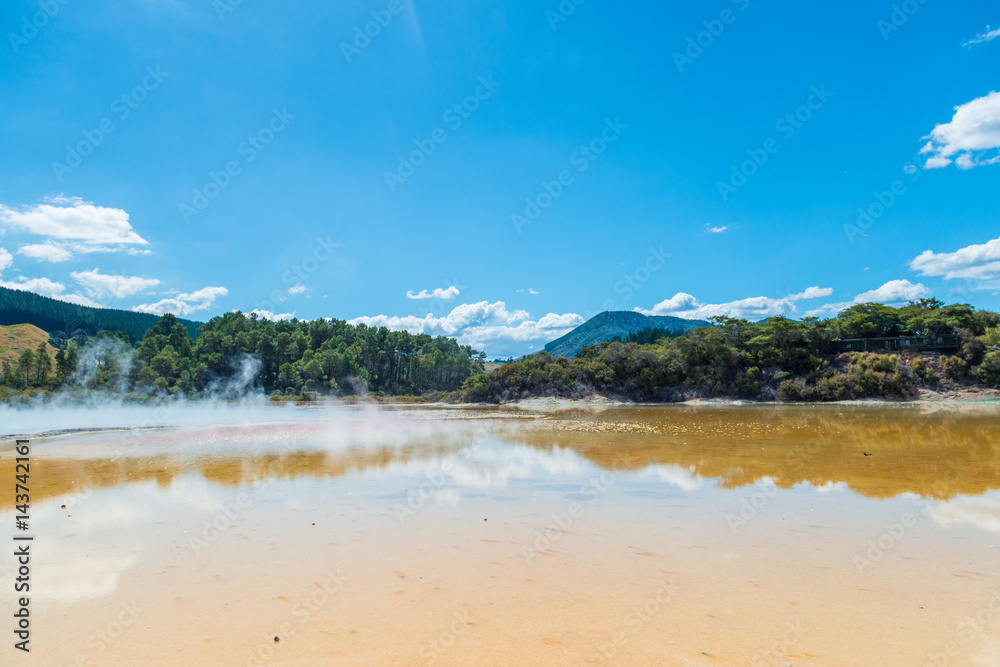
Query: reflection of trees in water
{"points": [[934, 453], [931, 452], [66, 476]]}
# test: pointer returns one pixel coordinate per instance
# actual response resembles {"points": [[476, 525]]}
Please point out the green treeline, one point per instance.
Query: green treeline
{"points": [[325, 357], [69, 320], [777, 359], [648, 335]]}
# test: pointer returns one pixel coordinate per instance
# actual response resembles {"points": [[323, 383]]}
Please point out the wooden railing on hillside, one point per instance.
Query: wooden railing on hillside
{"points": [[900, 343]]}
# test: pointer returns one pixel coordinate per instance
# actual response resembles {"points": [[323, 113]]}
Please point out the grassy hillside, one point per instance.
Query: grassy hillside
{"points": [[17, 307], [17, 338], [612, 324]]}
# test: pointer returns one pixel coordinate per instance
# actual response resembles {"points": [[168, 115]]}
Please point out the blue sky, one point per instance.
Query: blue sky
{"points": [[522, 166]]}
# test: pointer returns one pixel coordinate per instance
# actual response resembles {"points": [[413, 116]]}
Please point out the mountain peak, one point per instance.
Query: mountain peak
{"points": [[611, 324]]}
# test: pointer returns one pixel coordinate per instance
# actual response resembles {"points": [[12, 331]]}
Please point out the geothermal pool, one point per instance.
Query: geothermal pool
{"points": [[661, 535]]}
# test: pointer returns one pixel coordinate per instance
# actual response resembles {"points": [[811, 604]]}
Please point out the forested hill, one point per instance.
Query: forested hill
{"points": [[17, 307], [234, 353], [614, 324], [776, 359]]}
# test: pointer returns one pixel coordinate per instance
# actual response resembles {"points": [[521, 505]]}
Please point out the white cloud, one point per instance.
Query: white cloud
{"points": [[893, 292], [72, 219], [297, 289], [80, 300], [547, 328], [753, 308], [46, 252], [46, 287], [970, 138], [686, 479], [980, 511], [553, 321], [812, 293], [461, 317], [42, 286], [439, 293], [974, 261], [987, 36], [6, 259], [717, 230], [528, 290], [100, 286], [482, 325], [183, 305], [268, 315]]}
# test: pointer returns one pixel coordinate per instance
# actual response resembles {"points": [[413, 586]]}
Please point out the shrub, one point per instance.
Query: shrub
{"points": [[748, 384], [833, 388], [989, 370], [954, 367], [790, 390]]}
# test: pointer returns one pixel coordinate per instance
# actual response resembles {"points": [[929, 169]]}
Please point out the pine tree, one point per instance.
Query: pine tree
{"points": [[43, 364], [25, 365]]}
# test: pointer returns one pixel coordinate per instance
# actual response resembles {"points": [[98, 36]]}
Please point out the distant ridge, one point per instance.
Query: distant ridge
{"points": [[611, 324], [19, 307]]}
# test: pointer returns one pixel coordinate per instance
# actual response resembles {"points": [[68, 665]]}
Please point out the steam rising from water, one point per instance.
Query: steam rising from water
{"points": [[101, 395], [111, 358]]}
